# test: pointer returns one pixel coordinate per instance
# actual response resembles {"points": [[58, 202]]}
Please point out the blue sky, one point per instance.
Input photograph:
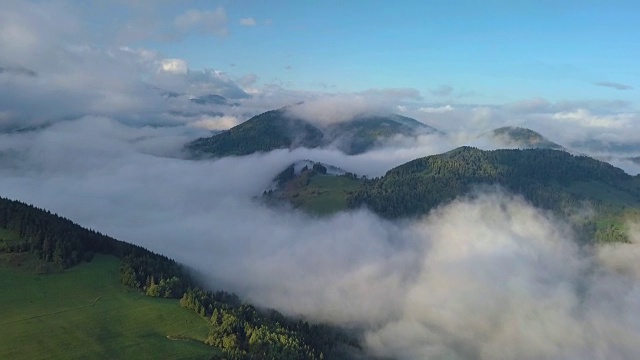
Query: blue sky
{"points": [[64, 58], [488, 52]]}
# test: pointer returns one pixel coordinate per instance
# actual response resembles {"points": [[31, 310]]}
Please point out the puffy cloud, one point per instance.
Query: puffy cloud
{"points": [[326, 109], [586, 118], [215, 122], [54, 77], [176, 66]]}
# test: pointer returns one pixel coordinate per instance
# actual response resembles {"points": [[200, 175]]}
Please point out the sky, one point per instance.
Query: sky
{"points": [[488, 52], [436, 61]]}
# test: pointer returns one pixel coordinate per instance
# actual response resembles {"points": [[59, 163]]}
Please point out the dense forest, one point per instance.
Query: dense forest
{"points": [[265, 132], [241, 330], [276, 129], [549, 179], [522, 137]]}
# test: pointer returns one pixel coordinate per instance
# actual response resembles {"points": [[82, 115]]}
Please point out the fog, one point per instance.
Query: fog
{"points": [[485, 277]]}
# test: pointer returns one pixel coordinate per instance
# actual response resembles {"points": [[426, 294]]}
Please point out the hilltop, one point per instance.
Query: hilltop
{"points": [[518, 137], [278, 129], [550, 179]]}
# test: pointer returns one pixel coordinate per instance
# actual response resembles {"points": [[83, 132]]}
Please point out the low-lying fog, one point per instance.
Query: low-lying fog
{"points": [[487, 277]]}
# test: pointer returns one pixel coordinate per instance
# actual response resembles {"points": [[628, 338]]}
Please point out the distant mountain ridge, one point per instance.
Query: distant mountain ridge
{"points": [[277, 129], [212, 99], [519, 137]]}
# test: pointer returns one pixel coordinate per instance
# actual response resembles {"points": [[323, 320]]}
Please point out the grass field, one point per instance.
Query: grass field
{"points": [[325, 194], [85, 313]]}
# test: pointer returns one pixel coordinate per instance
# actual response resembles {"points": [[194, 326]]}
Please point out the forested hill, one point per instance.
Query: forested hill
{"points": [[277, 129], [550, 179], [240, 330], [519, 137]]}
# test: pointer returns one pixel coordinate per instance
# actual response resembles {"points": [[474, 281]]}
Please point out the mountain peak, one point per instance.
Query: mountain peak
{"points": [[210, 99], [520, 137], [279, 129]]}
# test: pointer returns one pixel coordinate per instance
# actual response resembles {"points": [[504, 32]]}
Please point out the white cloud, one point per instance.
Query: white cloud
{"points": [[327, 109], [585, 118], [175, 66], [248, 21], [215, 122], [203, 21], [437, 110]]}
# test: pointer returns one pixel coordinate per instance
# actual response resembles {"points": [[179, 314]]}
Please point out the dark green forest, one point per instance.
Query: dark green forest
{"points": [[276, 129], [547, 178], [241, 330], [523, 137], [265, 132]]}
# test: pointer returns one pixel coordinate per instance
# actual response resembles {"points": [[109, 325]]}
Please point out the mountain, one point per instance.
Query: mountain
{"points": [[635, 160], [315, 187], [518, 137], [211, 99], [276, 129], [550, 179]]}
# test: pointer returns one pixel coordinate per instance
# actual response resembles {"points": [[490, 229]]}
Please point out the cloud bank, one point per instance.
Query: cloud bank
{"points": [[484, 277]]}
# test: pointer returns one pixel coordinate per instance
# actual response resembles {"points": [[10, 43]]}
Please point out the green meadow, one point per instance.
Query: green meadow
{"points": [[85, 313]]}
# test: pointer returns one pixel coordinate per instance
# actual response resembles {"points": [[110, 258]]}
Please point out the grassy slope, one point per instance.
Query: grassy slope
{"points": [[326, 194], [316, 193], [84, 312]]}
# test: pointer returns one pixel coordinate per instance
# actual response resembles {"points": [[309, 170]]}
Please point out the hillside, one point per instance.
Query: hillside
{"points": [[109, 297], [86, 313], [314, 187], [276, 129], [549, 179], [213, 99], [518, 137]]}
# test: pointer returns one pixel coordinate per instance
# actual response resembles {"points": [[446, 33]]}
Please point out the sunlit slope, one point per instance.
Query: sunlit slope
{"points": [[313, 189], [85, 313], [549, 179], [518, 137]]}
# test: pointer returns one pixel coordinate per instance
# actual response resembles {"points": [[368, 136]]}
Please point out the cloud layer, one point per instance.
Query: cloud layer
{"points": [[485, 277]]}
